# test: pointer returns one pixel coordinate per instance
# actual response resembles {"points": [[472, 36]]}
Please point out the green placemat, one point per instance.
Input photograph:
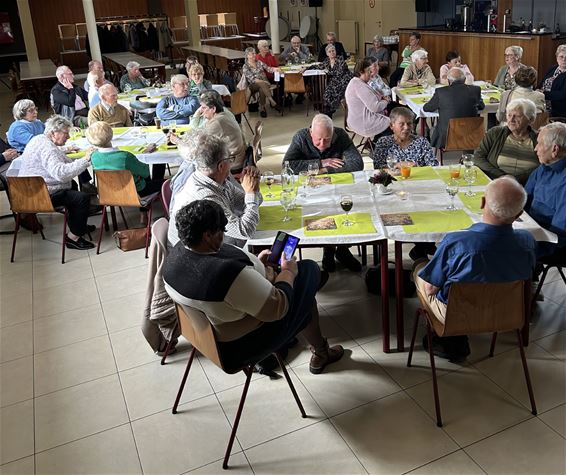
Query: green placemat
{"points": [[275, 191], [75, 155], [421, 99], [340, 178], [481, 180], [132, 148], [421, 173], [271, 218], [163, 147], [437, 221], [119, 130], [362, 225], [411, 90], [124, 95], [473, 203]]}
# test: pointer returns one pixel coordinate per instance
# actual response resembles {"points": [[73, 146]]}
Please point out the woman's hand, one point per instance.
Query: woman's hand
{"points": [[150, 148], [10, 154]]}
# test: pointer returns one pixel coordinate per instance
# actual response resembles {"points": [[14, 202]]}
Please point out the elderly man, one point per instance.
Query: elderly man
{"points": [[212, 180], [67, 99], [295, 52], [180, 106], [334, 152], [133, 79], [457, 100], [108, 110], [545, 188], [331, 40], [491, 251], [96, 67]]}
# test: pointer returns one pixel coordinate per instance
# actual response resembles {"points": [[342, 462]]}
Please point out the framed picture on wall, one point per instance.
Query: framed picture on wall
{"points": [[6, 35], [293, 3]]}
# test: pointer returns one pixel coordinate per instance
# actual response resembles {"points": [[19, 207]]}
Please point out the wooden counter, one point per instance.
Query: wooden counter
{"points": [[483, 52]]}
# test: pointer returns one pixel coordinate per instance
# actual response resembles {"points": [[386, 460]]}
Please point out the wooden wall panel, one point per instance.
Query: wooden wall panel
{"points": [[245, 11], [173, 7]]}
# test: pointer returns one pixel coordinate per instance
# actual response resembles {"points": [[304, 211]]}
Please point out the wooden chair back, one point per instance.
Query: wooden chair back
{"points": [[116, 188], [29, 194], [256, 142], [238, 102], [196, 328], [464, 133], [345, 106], [294, 83], [541, 120]]}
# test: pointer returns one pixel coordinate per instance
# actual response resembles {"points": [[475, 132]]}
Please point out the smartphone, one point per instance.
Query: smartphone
{"points": [[284, 243]]}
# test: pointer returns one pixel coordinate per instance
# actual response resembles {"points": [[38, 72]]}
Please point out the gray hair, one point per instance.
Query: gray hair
{"points": [[99, 134], [249, 50], [132, 65], [456, 76], [93, 63], [401, 112], [61, 70], [419, 54], [505, 198], [106, 89], [21, 108], [178, 79], [208, 150], [517, 51], [554, 134], [526, 106], [212, 99], [561, 49], [56, 123], [378, 39], [329, 47], [295, 38], [262, 43], [322, 120]]}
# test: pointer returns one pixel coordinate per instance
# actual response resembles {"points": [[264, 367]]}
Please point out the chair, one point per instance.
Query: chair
{"points": [[548, 262], [464, 133], [239, 105], [294, 83], [28, 194], [365, 142], [117, 188], [166, 193], [196, 328], [478, 308], [68, 37], [541, 120], [256, 142]]}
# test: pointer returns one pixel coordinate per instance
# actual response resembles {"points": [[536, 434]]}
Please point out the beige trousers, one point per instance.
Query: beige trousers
{"points": [[437, 307], [264, 92]]}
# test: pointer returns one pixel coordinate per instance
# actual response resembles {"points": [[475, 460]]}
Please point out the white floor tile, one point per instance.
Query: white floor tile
{"points": [[122, 283], [556, 418], [16, 341], [16, 431], [124, 312], [62, 298], [237, 464], [15, 307], [79, 411], [342, 287], [548, 318], [112, 451], [555, 344], [457, 462], [218, 379], [23, 466], [49, 275], [111, 259], [324, 452], [16, 381]]}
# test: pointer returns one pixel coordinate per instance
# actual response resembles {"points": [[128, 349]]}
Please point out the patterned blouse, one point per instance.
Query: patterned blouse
{"points": [[418, 151], [547, 84], [378, 84], [256, 73]]}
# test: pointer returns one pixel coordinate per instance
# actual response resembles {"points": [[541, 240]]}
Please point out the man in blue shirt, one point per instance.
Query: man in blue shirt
{"points": [[179, 106], [491, 251], [546, 187]]}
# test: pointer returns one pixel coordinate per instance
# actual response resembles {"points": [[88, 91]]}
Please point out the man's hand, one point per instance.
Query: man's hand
{"points": [[431, 289], [150, 148], [332, 163], [249, 183], [66, 83], [10, 154], [263, 256], [289, 269]]}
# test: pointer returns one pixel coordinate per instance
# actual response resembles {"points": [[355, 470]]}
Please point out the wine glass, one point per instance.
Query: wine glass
{"points": [[127, 88], [391, 162], [287, 198], [303, 181], [467, 160], [269, 180], [470, 175], [346, 202], [452, 190], [313, 170]]}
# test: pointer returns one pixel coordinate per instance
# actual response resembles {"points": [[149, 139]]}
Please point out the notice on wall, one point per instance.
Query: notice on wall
{"points": [[6, 35]]}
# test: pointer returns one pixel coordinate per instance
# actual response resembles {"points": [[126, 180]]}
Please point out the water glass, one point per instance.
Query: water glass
{"points": [[303, 182], [452, 190], [470, 176], [391, 162], [467, 160], [287, 199], [313, 170]]}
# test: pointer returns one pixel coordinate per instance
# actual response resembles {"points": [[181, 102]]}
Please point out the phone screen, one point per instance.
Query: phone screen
{"points": [[284, 243]]}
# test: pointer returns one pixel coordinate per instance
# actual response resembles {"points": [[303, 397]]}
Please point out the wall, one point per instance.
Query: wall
{"points": [[18, 47]]}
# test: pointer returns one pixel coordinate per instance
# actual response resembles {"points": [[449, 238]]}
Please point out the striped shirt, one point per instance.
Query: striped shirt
{"points": [[518, 158]]}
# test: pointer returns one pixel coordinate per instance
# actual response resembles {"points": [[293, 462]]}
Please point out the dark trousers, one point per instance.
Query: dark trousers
{"points": [[158, 171], [151, 186], [77, 204], [396, 77], [271, 336], [84, 177]]}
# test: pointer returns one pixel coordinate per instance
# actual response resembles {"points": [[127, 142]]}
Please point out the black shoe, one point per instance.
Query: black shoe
{"points": [[288, 101], [300, 99], [89, 188], [422, 250], [344, 256], [80, 244], [263, 114], [90, 228], [452, 348], [324, 276], [328, 262]]}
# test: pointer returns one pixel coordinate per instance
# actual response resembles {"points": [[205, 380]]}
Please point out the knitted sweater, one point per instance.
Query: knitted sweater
{"points": [[120, 117], [22, 131], [114, 159]]}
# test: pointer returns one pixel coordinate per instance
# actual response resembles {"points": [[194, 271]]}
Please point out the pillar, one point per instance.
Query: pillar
{"points": [[274, 23], [27, 30], [90, 19], [191, 12]]}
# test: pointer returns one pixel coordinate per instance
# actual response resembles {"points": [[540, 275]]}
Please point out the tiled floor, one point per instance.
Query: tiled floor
{"points": [[81, 391]]}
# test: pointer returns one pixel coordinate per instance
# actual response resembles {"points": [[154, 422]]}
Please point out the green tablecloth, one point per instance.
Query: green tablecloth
{"points": [[275, 191], [411, 90], [271, 218], [421, 99], [437, 221], [473, 203], [362, 225], [421, 173], [119, 130], [340, 178]]}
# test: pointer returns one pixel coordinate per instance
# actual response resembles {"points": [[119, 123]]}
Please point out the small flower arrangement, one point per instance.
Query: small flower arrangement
{"points": [[381, 177]]}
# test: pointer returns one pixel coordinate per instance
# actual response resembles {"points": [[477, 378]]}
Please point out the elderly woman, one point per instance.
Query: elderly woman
{"points": [[403, 145], [505, 77], [510, 149], [188, 63], [180, 106], [43, 157], [376, 82], [525, 79], [379, 52], [255, 73], [414, 45], [198, 84], [133, 79], [554, 84], [107, 157], [266, 57], [365, 106], [95, 79], [453, 60], [253, 309], [337, 78], [418, 73], [221, 123], [26, 125]]}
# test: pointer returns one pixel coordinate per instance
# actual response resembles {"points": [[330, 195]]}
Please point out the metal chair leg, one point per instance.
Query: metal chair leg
{"points": [[541, 281], [104, 220], [434, 380], [291, 385], [64, 246], [183, 381], [526, 371], [492, 346], [16, 229], [170, 344], [413, 338]]}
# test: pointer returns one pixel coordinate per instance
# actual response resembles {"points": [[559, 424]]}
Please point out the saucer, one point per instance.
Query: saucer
{"points": [[387, 191]]}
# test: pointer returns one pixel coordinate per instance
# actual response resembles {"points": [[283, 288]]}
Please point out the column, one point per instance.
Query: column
{"points": [[27, 30], [191, 11], [274, 23], [90, 19]]}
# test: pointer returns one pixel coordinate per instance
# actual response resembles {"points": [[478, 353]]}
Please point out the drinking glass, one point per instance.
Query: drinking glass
{"points": [[452, 190], [313, 170], [287, 199], [346, 202], [74, 133], [127, 88], [269, 180], [425, 85], [454, 171], [467, 160], [391, 162], [405, 171], [303, 181], [470, 175]]}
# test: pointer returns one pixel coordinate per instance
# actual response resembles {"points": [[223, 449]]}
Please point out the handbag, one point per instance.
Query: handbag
{"points": [[130, 239]]}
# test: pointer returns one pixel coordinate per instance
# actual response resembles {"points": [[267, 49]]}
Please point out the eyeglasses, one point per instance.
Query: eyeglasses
{"points": [[509, 55]]}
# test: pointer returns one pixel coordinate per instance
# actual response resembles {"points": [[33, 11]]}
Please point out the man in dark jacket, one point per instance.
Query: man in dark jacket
{"points": [[68, 99], [331, 40], [456, 100]]}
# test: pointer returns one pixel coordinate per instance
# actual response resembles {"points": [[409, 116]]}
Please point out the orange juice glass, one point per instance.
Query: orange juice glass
{"points": [[454, 171], [405, 171]]}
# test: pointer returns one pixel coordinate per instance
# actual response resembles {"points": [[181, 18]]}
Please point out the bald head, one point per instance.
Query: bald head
{"points": [[322, 130], [504, 200], [456, 76]]}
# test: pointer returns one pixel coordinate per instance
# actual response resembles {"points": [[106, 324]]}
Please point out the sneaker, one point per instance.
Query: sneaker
{"points": [[344, 256], [324, 356], [328, 262], [80, 244]]}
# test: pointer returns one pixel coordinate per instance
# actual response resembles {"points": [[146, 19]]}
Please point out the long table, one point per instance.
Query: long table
{"points": [[217, 60], [37, 78], [120, 60], [425, 204]]}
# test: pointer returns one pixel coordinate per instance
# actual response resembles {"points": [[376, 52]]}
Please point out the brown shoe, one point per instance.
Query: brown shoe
{"points": [[321, 357]]}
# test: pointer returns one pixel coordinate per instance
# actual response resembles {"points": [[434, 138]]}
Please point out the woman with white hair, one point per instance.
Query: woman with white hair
{"points": [[266, 57], [255, 74], [505, 77], [418, 72], [133, 79], [554, 84], [26, 124], [510, 149], [43, 157]]}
